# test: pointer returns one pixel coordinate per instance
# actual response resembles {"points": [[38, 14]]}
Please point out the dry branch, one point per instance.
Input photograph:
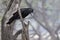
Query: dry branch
{"points": [[25, 34], [3, 35]]}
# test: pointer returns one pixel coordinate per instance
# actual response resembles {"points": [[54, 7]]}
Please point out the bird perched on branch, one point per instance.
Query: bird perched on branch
{"points": [[24, 12]]}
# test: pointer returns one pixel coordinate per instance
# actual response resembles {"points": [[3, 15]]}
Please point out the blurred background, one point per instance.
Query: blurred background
{"points": [[44, 21]]}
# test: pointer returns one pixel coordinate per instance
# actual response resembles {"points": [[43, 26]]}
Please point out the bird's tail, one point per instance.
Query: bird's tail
{"points": [[11, 20]]}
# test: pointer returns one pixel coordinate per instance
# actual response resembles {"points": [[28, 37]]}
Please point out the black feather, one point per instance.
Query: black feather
{"points": [[24, 12]]}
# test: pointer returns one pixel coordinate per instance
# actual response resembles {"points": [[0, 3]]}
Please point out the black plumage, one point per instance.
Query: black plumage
{"points": [[24, 12]]}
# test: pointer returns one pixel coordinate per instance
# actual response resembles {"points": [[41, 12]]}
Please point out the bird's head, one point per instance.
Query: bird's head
{"points": [[30, 10]]}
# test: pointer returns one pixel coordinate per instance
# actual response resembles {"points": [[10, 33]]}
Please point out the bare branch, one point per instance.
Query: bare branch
{"points": [[25, 33], [17, 33], [3, 21]]}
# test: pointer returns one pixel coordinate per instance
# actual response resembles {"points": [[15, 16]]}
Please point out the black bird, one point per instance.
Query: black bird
{"points": [[24, 12]]}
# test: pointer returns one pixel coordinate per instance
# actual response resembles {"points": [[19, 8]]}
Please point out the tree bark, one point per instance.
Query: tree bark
{"points": [[25, 34], [4, 31]]}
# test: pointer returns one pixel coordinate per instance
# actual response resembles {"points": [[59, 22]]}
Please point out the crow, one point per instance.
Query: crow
{"points": [[24, 12]]}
